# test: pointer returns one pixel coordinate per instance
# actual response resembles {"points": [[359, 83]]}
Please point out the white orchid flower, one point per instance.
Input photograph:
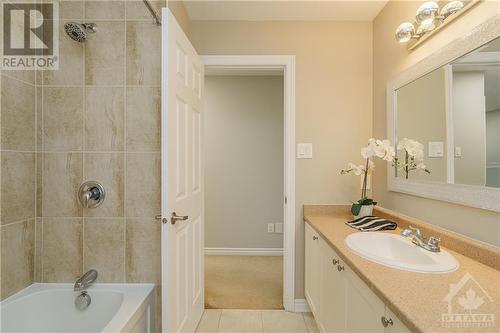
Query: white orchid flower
{"points": [[358, 170], [367, 152], [421, 166]]}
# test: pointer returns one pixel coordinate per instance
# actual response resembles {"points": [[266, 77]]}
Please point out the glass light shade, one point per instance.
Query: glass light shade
{"points": [[404, 32], [427, 12], [424, 28], [451, 8]]}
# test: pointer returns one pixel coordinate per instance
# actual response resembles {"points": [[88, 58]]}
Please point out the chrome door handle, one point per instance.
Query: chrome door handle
{"points": [[176, 218], [159, 218]]}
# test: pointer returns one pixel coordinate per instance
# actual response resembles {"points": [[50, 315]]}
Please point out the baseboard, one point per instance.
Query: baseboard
{"points": [[224, 251], [301, 305]]}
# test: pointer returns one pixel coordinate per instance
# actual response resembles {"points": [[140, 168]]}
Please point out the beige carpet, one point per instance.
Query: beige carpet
{"points": [[243, 282]]}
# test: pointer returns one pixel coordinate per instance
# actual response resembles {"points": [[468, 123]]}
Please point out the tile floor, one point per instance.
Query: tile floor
{"points": [[256, 321]]}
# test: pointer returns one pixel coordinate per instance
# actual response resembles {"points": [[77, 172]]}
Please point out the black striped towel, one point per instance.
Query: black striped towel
{"points": [[371, 223]]}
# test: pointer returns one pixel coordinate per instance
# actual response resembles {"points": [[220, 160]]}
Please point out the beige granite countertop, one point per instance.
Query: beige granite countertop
{"points": [[417, 299]]}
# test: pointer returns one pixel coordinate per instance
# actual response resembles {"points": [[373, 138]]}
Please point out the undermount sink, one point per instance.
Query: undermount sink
{"points": [[398, 252]]}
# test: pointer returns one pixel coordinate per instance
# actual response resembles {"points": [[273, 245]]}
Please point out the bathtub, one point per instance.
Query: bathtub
{"points": [[49, 307]]}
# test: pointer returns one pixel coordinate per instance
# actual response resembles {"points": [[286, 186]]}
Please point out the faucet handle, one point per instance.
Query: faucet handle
{"points": [[416, 231], [433, 242]]}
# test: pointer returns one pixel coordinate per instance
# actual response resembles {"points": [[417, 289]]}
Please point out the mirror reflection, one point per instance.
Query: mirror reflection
{"points": [[454, 112]]}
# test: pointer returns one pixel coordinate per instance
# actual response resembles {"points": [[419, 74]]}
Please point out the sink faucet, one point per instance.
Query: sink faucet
{"points": [[85, 280], [431, 244]]}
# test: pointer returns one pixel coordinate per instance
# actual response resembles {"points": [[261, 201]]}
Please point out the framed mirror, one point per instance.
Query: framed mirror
{"points": [[444, 118]]}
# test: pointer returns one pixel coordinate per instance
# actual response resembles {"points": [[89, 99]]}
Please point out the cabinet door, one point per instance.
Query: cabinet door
{"points": [[397, 325], [364, 309], [333, 291], [312, 270]]}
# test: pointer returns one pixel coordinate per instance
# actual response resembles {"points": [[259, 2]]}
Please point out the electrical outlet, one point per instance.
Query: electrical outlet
{"points": [[270, 227], [278, 228]]}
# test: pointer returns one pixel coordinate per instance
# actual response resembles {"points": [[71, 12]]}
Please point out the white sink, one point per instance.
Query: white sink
{"points": [[398, 252]]}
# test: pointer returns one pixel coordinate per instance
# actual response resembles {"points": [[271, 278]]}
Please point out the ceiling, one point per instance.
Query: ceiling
{"points": [[284, 10]]}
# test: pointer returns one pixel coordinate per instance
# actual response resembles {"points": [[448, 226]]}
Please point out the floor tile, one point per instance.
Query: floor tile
{"points": [[209, 322], [312, 327], [283, 322], [236, 321]]}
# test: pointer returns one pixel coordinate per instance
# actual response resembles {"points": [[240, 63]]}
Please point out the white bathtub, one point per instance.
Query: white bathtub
{"points": [[49, 307]]}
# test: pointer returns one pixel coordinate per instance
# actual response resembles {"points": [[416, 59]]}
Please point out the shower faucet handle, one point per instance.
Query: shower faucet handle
{"points": [[91, 194]]}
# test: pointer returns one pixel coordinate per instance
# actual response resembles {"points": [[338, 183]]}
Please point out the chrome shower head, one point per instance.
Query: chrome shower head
{"points": [[78, 31]]}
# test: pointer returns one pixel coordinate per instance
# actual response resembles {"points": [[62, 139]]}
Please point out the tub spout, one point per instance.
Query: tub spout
{"points": [[85, 280]]}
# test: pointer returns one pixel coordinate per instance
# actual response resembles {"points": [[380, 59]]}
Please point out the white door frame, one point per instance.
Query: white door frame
{"points": [[287, 64]]}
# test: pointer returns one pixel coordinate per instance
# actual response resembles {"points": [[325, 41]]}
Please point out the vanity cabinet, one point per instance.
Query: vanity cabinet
{"points": [[338, 298], [312, 268]]}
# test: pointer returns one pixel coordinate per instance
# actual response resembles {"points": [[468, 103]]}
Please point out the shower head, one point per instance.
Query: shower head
{"points": [[78, 31]]}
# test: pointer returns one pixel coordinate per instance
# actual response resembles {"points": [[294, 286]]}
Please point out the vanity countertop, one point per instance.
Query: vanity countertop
{"points": [[418, 299]]}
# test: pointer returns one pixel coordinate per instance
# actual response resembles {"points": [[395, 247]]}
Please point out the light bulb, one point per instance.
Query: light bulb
{"points": [[451, 8], [404, 32], [427, 12]]}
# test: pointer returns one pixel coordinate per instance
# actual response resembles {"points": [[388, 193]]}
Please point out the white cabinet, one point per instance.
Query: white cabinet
{"points": [[363, 308], [338, 298], [332, 292], [312, 269]]}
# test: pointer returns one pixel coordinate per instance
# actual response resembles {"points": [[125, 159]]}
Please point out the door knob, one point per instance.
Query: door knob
{"points": [[163, 220], [176, 218]]}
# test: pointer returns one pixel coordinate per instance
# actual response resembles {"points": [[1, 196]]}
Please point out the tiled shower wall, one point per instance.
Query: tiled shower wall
{"points": [[97, 118]]}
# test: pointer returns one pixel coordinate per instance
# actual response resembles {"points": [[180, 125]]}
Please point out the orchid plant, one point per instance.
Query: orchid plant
{"points": [[414, 157], [375, 148]]}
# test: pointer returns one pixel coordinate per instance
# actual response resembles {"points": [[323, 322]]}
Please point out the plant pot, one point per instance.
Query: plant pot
{"points": [[365, 211]]}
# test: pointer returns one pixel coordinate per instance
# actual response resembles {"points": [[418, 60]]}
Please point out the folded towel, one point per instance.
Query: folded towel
{"points": [[371, 223]]}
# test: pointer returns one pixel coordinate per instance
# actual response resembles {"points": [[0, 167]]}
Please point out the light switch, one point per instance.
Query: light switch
{"points": [[458, 151], [304, 150], [270, 227], [436, 149]]}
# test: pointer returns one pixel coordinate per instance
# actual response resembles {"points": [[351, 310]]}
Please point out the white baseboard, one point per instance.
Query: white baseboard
{"points": [[301, 305], [242, 251]]}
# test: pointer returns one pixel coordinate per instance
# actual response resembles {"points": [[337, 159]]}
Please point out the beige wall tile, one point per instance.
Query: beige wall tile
{"points": [[38, 184], [39, 119], [104, 248], [27, 76], [62, 177], [104, 119], [17, 186], [71, 9], [62, 249], [17, 249], [143, 112], [142, 184], [62, 119], [18, 115], [101, 10], [105, 55], [143, 245], [38, 249], [70, 70], [137, 11], [107, 169], [143, 53]]}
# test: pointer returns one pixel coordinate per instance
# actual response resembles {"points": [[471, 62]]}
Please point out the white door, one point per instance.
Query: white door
{"points": [[182, 180]]}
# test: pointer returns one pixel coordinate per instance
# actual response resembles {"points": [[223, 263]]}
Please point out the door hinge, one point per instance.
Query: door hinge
{"points": [[286, 200]]}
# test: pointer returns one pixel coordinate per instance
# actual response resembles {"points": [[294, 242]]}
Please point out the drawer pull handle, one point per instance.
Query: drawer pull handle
{"points": [[335, 261], [386, 322], [315, 237], [340, 268]]}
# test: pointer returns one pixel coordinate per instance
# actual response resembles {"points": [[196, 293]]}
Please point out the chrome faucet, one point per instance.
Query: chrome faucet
{"points": [[85, 280], [431, 244]]}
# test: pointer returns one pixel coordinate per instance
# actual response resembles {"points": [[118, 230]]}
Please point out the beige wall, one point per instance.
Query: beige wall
{"points": [[389, 59], [469, 127], [333, 98], [421, 116], [243, 161], [493, 148]]}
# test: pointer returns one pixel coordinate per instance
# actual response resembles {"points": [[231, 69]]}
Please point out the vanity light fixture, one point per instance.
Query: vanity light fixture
{"points": [[427, 18]]}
